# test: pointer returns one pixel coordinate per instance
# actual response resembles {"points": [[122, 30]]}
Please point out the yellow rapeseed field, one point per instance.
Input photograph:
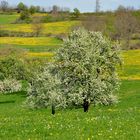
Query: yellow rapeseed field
{"points": [[48, 28], [131, 57], [48, 41], [131, 65]]}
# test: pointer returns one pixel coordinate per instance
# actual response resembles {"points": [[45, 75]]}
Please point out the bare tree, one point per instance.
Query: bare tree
{"points": [[4, 6], [126, 25], [97, 6], [94, 23], [37, 26], [55, 9]]}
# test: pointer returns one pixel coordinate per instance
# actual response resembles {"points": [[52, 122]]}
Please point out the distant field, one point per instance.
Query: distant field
{"points": [[32, 41], [131, 65], [7, 19], [46, 46], [48, 28]]}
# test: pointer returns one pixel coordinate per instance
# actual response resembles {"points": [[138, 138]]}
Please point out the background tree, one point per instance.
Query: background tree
{"points": [[126, 25], [25, 17], [76, 13], [37, 26], [55, 9], [94, 23], [21, 7], [38, 8], [4, 6], [87, 69], [32, 9]]}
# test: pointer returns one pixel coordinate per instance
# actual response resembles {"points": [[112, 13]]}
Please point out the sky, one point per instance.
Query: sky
{"points": [[82, 5]]}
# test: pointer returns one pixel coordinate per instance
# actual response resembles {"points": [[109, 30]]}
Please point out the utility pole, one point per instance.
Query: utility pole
{"points": [[97, 9]]}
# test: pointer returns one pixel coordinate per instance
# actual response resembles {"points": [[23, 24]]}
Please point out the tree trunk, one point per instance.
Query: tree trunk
{"points": [[86, 105], [53, 109]]}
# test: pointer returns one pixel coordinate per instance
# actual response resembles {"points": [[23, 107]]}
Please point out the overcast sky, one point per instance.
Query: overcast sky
{"points": [[83, 5]]}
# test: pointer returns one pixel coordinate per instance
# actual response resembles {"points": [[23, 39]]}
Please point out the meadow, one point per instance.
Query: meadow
{"points": [[7, 19], [35, 46], [116, 122], [120, 121]]}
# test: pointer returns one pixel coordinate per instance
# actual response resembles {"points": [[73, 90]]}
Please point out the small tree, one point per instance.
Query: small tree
{"points": [[37, 26], [55, 9], [76, 13], [38, 9], [25, 16], [21, 7], [87, 69], [32, 9]]}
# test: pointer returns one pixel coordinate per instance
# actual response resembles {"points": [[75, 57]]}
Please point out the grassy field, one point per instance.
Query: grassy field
{"points": [[7, 19], [119, 122], [35, 46]]}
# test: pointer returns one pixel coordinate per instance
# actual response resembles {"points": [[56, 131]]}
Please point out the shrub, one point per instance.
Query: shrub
{"points": [[25, 17], [13, 68]]}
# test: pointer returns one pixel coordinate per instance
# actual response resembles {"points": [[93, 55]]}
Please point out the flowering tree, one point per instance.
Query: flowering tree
{"points": [[45, 91], [84, 72], [86, 66]]}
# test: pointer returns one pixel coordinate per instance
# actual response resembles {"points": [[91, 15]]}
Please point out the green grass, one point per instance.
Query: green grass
{"points": [[36, 48], [35, 44], [7, 19], [119, 122]]}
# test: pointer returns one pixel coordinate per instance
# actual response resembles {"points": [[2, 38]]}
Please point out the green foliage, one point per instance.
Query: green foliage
{"points": [[25, 16], [6, 19], [76, 13], [12, 68], [32, 10], [21, 7], [56, 18]]}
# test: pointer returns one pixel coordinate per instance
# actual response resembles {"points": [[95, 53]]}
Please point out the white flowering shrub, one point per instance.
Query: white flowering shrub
{"points": [[86, 66], [9, 86], [45, 91]]}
